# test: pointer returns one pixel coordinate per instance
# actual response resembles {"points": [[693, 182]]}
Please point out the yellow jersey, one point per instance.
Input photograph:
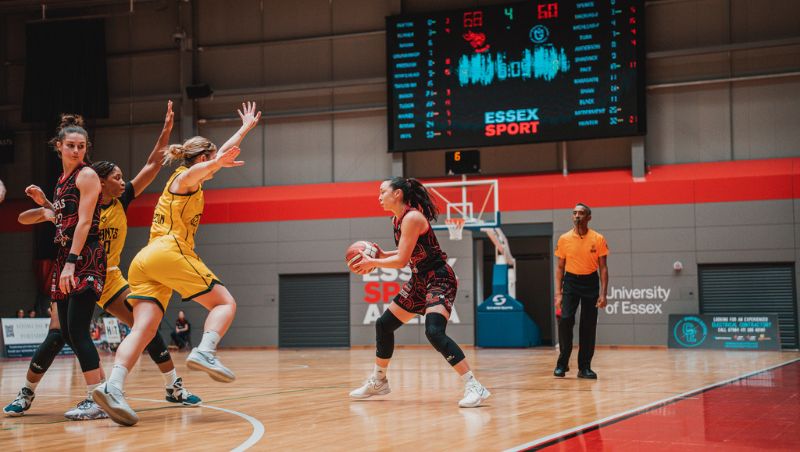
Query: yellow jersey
{"points": [[113, 225], [177, 215]]}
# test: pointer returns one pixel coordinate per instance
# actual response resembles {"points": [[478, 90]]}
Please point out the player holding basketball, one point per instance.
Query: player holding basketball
{"points": [[431, 291], [116, 196], [169, 262]]}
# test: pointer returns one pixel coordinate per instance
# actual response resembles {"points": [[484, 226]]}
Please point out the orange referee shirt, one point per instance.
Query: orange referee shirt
{"points": [[582, 253]]}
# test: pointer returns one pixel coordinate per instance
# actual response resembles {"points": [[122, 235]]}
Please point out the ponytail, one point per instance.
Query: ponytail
{"points": [[188, 151], [416, 195]]}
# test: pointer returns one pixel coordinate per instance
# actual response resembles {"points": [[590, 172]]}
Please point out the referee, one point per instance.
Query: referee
{"points": [[581, 252]]}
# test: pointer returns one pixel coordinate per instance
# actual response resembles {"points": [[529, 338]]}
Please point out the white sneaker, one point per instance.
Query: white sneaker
{"points": [[21, 404], [112, 401], [373, 386], [210, 364], [474, 394], [86, 410]]}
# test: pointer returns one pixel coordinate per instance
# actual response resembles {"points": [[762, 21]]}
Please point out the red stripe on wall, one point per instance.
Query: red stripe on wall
{"points": [[749, 180]]}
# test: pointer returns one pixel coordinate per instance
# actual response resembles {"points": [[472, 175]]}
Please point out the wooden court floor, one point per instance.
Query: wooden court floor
{"points": [[298, 400]]}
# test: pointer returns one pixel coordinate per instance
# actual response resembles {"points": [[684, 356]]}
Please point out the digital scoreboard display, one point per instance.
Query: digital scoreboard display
{"points": [[526, 72]]}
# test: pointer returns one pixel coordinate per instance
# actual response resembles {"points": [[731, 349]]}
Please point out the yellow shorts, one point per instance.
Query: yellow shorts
{"points": [[115, 285], [164, 265]]}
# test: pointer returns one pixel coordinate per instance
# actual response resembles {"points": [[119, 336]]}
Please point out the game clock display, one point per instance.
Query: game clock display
{"points": [[527, 72]]}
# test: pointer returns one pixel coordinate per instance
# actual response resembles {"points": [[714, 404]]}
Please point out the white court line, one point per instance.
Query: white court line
{"points": [[258, 427], [547, 438]]}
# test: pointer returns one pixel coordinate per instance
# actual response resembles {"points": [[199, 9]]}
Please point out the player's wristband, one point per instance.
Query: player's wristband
{"points": [[72, 258]]}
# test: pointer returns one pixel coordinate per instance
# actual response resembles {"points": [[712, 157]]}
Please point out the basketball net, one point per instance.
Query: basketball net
{"points": [[455, 226]]}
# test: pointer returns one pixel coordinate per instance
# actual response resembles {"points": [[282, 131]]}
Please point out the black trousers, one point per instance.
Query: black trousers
{"points": [[583, 291], [180, 339]]}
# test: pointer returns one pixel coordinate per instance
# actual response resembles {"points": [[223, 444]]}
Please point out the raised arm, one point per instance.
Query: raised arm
{"points": [[37, 215], [249, 121], [189, 181], [150, 169]]}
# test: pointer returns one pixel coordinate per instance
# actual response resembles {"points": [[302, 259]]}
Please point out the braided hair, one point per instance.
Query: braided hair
{"points": [[103, 168], [416, 195]]}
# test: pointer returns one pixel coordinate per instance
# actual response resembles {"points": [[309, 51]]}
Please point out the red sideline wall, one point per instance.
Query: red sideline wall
{"points": [[749, 180]]}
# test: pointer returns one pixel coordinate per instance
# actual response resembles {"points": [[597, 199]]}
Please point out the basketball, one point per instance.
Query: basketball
{"points": [[353, 254]]}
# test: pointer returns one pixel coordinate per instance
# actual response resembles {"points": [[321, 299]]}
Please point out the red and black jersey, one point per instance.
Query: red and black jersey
{"points": [[90, 269], [65, 202], [427, 254]]}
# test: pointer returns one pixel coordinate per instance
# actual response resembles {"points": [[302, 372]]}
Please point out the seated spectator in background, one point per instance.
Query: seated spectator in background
{"points": [[32, 313], [21, 314], [181, 335]]}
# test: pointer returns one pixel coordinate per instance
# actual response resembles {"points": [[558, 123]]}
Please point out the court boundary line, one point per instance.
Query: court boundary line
{"points": [[563, 435], [255, 436]]}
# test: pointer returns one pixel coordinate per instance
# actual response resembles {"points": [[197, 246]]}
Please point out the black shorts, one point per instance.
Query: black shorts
{"points": [[435, 287]]}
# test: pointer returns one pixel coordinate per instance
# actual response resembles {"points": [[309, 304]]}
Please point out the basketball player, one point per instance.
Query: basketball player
{"points": [[116, 196], [80, 268], [580, 252], [169, 262], [430, 292]]}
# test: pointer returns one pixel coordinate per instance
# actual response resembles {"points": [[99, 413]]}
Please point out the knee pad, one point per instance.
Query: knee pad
{"points": [[47, 352], [384, 334], [157, 350], [435, 325]]}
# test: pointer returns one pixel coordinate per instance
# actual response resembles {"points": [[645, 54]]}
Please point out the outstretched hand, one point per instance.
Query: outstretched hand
{"points": [[248, 114], [227, 159]]}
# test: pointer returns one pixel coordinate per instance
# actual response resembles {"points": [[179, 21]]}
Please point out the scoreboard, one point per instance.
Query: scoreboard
{"points": [[528, 72]]}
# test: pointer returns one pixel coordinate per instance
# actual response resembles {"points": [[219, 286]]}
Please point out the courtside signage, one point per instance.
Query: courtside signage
{"points": [[381, 286], [21, 337], [724, 331]]}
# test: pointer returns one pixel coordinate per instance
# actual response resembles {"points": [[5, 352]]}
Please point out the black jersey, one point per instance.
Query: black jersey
{"points": [[427, 254]]}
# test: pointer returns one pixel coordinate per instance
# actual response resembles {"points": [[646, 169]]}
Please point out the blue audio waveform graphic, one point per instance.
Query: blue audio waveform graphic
{"points": [[544, 62]]}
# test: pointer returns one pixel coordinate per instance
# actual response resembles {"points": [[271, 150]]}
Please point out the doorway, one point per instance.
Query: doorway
{"points": [[533, 255]]}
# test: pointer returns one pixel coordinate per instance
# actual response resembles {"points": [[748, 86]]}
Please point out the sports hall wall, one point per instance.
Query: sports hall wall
{"points": [[723, 85]]}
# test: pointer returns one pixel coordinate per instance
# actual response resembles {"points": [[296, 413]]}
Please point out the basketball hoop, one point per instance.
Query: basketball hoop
{"points": [[455, 226]]}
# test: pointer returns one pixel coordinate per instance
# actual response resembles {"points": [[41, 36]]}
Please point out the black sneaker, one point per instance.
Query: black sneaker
{"points": [[560, 372], [587, 373]]}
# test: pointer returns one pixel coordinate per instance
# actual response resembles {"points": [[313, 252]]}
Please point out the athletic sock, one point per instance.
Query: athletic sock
{"points": [[379, 372], [90, 388], [30, 385], [170, 377], [467, 377], [118, 375], [209, 342]]}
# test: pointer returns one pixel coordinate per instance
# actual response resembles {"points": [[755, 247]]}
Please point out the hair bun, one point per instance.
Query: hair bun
{"points": [[70, 120], [177, 151]]}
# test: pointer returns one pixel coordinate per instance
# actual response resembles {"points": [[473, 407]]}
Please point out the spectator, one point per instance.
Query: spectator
{"points": [[181, 335], [21, 314], [32, 313]]}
